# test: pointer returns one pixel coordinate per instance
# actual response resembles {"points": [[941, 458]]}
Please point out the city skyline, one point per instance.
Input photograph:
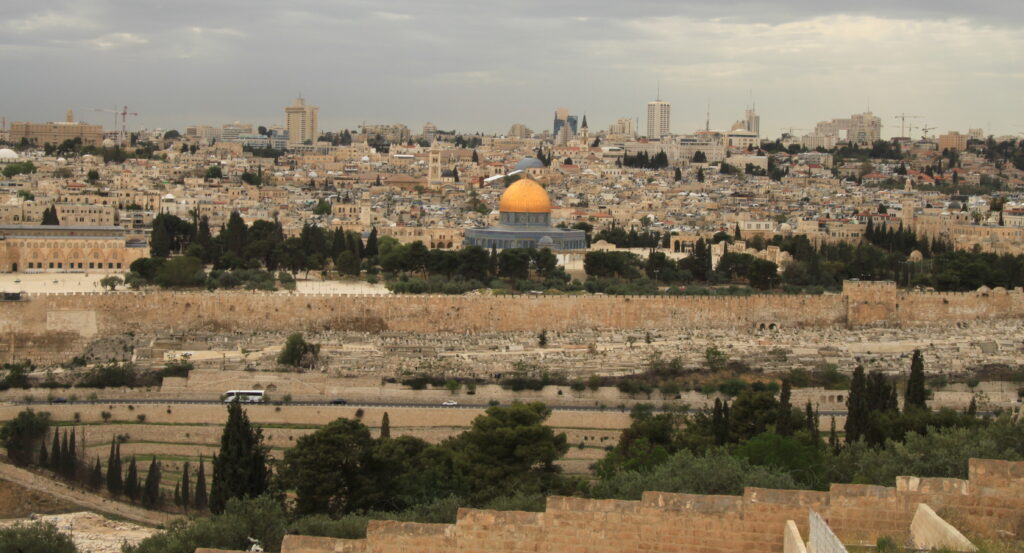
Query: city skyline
{"points": [[406, 63]]}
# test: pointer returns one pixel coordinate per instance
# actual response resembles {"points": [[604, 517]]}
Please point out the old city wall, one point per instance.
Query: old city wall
{"points": [[55, 327], [988, 503]]}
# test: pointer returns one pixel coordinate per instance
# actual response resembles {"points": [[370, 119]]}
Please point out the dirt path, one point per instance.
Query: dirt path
{"points": [[87, 500]]}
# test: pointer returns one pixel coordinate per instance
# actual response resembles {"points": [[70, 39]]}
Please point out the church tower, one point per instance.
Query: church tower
{"points": [[434, 166]]}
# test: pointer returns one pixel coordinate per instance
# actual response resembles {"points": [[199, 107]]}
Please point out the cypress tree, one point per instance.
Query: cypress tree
{"points": [[177, 495], [240, 469], [151, 490], [972, 409], [43, 460], [55, 453], [716, 421], [115, 485], [131, 481], [186, 498], [371, 243], [71, 463], [160, 241], [784, 417], [96, 477], [916, 394], [65, 455], [726, 424], [385, 426], [857, 410], [811, 422], [833, 438], [201, 501]]}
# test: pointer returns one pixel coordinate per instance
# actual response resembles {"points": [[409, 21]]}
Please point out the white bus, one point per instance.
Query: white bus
{"points": [[244, 396]]}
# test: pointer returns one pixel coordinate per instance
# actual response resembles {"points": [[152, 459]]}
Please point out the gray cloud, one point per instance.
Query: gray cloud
{"points": [[483, 66]]}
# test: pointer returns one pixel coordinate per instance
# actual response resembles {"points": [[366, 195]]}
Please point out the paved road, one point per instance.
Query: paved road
{"points": [[88, 500], [475, 406]]}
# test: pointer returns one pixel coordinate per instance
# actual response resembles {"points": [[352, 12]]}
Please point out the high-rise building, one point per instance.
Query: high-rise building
{"points": [[753, 121], [561, 117], [976, 134], [429, 131], [300, 120], [658, 120]]}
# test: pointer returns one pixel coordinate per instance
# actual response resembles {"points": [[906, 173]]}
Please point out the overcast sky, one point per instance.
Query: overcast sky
{"points": [[482, 66]]}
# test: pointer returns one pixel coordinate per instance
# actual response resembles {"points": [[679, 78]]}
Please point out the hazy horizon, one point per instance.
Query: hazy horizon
{"points": [[480, 67]]}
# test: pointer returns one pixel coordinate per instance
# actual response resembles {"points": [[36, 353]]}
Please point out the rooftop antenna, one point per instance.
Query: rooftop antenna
{"points": [[659, 90]]}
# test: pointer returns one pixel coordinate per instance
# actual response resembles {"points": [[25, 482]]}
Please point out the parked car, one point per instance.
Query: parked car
{"points": [[338, 401], [450, 403]]}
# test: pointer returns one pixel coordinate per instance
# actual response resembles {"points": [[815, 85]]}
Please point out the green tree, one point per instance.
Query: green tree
{"points": [[180, 272], [385, 426], [50, 216], [93, 175], [327, 469], [55, 453], [240, 468], [262, 519], [38, 537], [22, 436], [96, 475], [186, 486], [784, 420], [857, 407], [508, 448], [115, 485], [131, 481], [214, 172], [160, 241], [916, 394], [715, 358], [200, 495], [151, 490], [648, 441], [297, 352], [111, 282]]}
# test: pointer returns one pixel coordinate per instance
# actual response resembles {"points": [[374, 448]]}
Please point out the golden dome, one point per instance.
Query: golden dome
{"points": [[525, 196]]}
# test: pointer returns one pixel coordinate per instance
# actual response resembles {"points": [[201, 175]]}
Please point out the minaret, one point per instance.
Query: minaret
{"points": [[70, 117]]}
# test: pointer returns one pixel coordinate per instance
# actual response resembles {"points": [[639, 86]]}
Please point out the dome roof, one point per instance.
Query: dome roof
{"points": [[525, 196], [529, 163], [7, 153]]}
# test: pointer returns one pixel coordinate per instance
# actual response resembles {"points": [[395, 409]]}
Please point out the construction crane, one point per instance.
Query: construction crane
{"points": [[903, 122], [925, 129], [122, 135]]}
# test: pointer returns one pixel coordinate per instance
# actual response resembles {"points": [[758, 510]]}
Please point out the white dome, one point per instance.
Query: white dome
{"points": [[366, 158], [61, 160], [312, 174], [7, 153], [108, 143], [169, 196]]}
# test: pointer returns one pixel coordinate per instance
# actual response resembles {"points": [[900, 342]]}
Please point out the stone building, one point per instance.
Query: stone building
{"points": [[64, 249], [525, 222]]}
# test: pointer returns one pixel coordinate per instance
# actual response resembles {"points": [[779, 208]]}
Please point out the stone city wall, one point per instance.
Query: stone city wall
{"points": [[56, 327], [684, 523]]}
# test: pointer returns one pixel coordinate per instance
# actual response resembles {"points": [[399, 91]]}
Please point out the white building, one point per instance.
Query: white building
{"points": [[658, 119]]}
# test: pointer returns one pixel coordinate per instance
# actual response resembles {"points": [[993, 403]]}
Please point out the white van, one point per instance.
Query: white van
{"points": [[244, 396]]}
